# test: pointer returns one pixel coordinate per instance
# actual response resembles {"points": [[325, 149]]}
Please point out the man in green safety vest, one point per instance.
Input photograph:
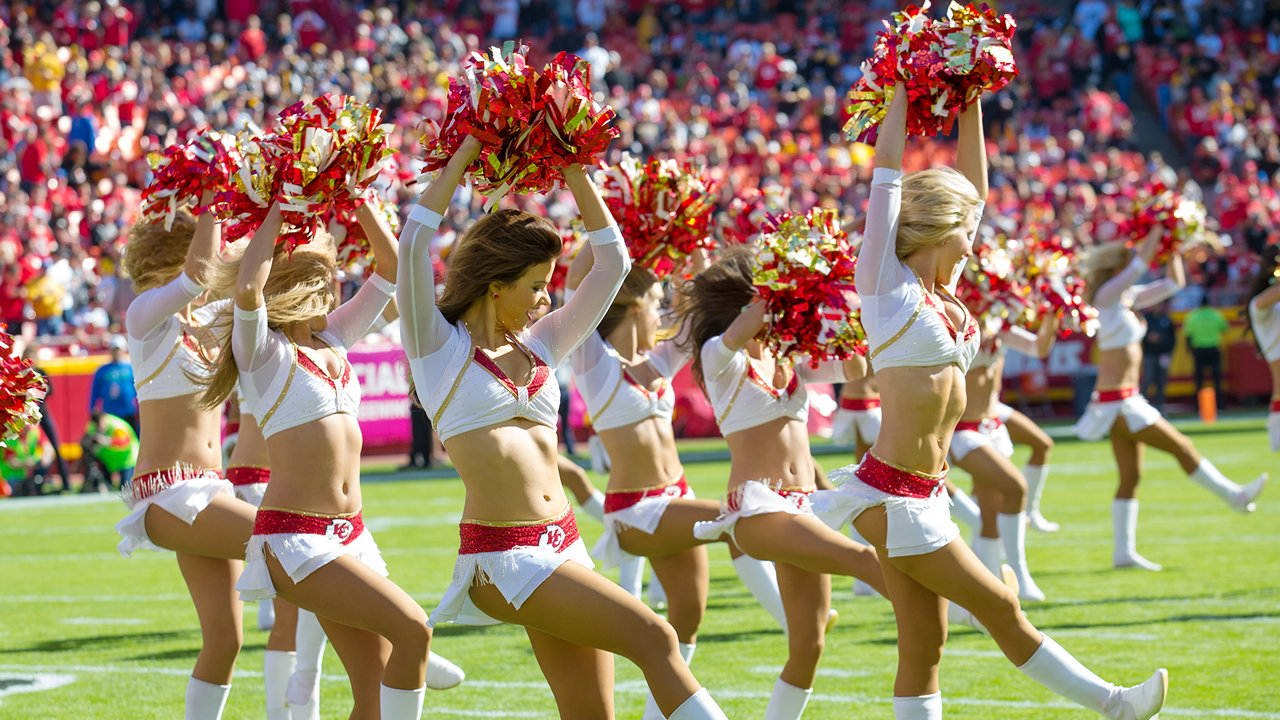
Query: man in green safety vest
{"points": [[110, 450]]}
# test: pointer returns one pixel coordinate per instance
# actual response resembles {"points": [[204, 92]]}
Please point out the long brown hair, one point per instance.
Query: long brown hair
{"points": [[154, 254], [713, 299], [634, 287], [498, 248], [299, 288]]}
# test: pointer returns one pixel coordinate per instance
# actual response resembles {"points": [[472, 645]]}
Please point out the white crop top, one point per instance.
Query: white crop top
{"points": [[1266, 327], [614, 398], [283, 385], [906, 326], [161, 349], [742, 399], [459, 386], [1118, 325]]}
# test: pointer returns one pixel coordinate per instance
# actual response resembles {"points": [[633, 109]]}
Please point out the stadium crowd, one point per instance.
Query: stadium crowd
{"points": [[754, 89]]}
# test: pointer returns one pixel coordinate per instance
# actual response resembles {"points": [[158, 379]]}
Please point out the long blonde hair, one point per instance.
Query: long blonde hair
{"points": [[935, 203], [155, 255], [1101, 264], [299, 289]]}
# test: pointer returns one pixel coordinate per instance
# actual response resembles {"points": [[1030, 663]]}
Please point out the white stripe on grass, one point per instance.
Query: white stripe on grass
{"points": [[637, 687]]}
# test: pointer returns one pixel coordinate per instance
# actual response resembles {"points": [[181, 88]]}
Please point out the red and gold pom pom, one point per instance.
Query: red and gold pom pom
{"points": [[804, 273], [22, 389], [531, 122], [1183, 219], [349, 236], [944, 65], [1048, 265], [317, 161], [752, 212], [993, 289], [181, 174], [663, 208]]}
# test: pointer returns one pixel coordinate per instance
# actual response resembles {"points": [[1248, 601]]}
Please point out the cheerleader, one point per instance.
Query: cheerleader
{"points": [[857, 420], [625, 376], [287, 349], [1264, 321], [981, 447], [1024, 431], [762, 410], [922, 340], [177, 498], [483, 370], [1118, 409]]}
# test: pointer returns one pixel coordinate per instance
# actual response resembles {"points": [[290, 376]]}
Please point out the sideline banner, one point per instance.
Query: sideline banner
{"points": [[384, 395]]}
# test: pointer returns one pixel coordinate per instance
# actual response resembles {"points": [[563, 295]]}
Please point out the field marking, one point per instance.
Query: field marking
{"points": [[634, 687], [379, 523], [103, 622], [170, 597], [55, 501], [38, 683], [822, 672]]}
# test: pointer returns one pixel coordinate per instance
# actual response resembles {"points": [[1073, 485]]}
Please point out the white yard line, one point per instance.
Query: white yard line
{"points": [[636, 688]]}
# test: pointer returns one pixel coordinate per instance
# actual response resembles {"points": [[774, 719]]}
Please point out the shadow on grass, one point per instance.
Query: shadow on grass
{"points": [[99, 641], [190, 653], [1129, 599], [1194, 617]]}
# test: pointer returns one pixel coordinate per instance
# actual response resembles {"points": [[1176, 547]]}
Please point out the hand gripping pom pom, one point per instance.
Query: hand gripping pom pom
{"points": [[944, 65], [181, 174], [1183, 219], [22, 389], [531, 122], [663, 208], [804, 273]]}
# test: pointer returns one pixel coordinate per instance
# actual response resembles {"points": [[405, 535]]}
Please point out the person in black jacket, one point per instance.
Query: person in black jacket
{"points": [[47, 424], [1157, 352]]}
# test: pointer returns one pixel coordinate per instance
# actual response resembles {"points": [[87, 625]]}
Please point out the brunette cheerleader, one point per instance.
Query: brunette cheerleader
{"points": [[1264, 321], [177, 498], [1118, 409], [981, 447], [922, 340], [625, 376], [763, 414], [483, 370], [287, 350]]}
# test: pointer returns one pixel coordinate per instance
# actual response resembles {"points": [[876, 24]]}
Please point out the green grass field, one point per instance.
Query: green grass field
{"points": [[108, 637]]}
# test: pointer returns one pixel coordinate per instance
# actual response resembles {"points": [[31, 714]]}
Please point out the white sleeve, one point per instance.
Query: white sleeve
{"points": [[248, 336], [1020, 339], [153, 307], [1153, 293], [717, 358], [1112, 291], [587, 356], [423, 329], [879, 269], [561, 331], [669, 357], [353, 319]]}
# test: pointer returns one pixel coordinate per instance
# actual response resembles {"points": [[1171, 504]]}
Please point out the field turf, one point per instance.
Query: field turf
{"points": [[85, 633]]}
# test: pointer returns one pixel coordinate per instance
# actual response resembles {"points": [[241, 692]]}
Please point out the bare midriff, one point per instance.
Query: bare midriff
{"points": [[864, 386], [509, 472], [982, 390], [920, 407], [251, 447], [641, 455], [176, 431], [1119, 367], [776, 453], [316, 466]]}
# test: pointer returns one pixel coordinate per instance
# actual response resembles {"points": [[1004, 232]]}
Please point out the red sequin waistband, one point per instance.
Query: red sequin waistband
{"points": [[556, 535], [1275, 406], [345, 528], [898, 481], [148, 484], [1116, 395], [862, 403], [615, 501], [248, 475], [987, 424]]}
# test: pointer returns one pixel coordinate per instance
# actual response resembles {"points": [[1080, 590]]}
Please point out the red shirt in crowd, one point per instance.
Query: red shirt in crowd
{"points": [[769, 73], [253, 43], [117, 26], [31, 163]]}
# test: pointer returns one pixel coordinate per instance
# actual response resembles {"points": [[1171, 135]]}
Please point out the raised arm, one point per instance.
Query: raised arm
{"points": [[152, 307], [354, 318], [1166, 287], [746, 326], [971, 151], [562, 330], [1113, 290], [249, 322], [878, 263], [1036, 345], [423, 330], [579, 268]]}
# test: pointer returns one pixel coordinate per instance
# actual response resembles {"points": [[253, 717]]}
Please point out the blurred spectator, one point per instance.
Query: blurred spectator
{"points": [[1157, 353], [110, 453], [112, 391], [24, 463], [47, 423], [1204, 328]]}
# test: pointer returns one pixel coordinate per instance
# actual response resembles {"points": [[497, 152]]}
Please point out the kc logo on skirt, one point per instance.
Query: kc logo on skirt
{"points": [[553, 537], [340, 528]]}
